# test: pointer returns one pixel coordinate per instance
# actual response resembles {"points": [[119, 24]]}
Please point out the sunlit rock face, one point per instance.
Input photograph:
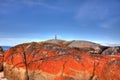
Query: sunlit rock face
{"points": [[87, 46], [58, 61], [1, 58]]}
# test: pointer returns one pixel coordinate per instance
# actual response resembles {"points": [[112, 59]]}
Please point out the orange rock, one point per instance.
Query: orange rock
{"points": [[49, 61]]}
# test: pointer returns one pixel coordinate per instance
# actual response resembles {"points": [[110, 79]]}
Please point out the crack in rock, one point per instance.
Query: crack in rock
{"points": [[25, 62]]}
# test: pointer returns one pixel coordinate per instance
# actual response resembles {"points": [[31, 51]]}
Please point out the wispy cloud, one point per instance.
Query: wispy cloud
{"points": [[39, 3], [6, 5], [58, 5]]}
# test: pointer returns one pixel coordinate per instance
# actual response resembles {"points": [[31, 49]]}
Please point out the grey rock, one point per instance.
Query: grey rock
{"points": [[52, 41], [112, 51], [88, 46]]}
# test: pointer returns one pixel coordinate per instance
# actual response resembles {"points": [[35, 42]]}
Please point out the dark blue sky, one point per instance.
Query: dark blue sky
{"points": [[36, 20]]}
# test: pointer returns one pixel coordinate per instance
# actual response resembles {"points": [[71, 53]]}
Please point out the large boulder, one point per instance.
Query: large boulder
{"points": [[48, 61], [87, 46]]}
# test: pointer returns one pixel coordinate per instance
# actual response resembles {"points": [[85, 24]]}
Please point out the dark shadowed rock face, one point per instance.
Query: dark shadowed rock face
{"points": [[112, 51], [1, 50], [1, 58], [49, 61]]}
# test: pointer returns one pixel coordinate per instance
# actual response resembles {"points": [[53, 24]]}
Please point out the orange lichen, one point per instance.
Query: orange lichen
{"points": [[8, 53], [63, 62], [64, 78], [1, 58], [52, 66]]}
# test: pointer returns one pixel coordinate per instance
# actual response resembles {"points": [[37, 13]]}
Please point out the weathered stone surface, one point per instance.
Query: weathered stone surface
{"points": [[111, 70], [83, 44], [112, 51], [108, 67], [87, 46], [58, 42], [49, 61]]}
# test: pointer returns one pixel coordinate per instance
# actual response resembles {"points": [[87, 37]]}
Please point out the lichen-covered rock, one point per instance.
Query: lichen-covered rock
{"points": [[49, 61], [111, 70]]}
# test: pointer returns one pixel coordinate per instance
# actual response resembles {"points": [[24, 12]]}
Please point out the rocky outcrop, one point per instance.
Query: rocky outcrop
{"points": [[57, 42], [112, 51], [49, 61], [1, 58], [87, 46]]}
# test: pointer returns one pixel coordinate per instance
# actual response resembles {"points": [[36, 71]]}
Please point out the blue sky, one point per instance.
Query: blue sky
{"points": [[36, 20]]}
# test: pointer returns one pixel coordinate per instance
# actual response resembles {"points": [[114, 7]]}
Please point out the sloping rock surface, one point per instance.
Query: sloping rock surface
{"points": [[49, 61], [87, 46]]}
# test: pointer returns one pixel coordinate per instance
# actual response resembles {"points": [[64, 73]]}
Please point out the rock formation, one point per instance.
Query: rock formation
{"points": [[58, 61], [87, 46], [112, 51]]}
